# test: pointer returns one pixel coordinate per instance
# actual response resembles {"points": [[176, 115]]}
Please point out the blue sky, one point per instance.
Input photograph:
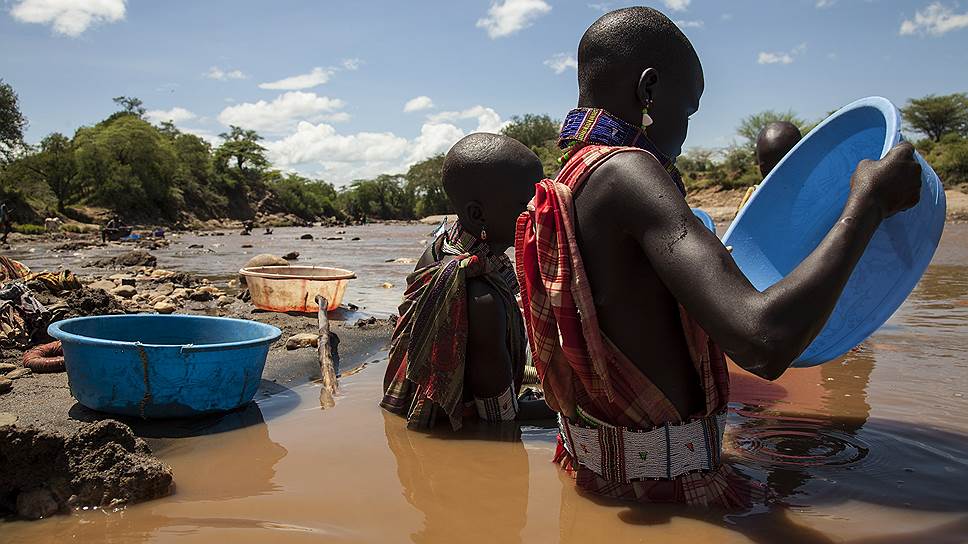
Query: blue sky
{"points": [[326, 82]]}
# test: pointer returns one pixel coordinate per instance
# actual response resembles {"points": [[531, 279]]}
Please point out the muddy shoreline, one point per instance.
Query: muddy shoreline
{"points": [[49, 462]]}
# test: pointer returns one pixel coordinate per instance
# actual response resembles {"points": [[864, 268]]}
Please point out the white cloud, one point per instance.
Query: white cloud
{"points": [[603, 7], [68, 17], [314, 78], [935, 20], [677, 5], [821, 4], [434, 138], [320, 150], [175, 115], [690, 24], [510, 16], [561, 62], [284, 112], [488, 120], [351, 64], [418, 103], [222, 74], [781, 57], [726, 16]]}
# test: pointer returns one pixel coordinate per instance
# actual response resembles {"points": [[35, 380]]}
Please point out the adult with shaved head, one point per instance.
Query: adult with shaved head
{"points": [[458, 349], [630, 301]]}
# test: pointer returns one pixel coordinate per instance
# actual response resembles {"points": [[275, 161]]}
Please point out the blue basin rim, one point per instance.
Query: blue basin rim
{"points": [[56, 330]]}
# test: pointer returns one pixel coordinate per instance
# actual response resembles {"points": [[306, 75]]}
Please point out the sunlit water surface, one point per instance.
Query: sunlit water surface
{"points": [[867, 449]]}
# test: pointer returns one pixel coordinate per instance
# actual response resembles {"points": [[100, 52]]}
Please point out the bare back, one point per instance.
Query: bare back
{"points": [[635, 309]]}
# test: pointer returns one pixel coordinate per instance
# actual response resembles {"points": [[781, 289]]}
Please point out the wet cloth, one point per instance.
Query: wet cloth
{"points": [[425, 374], [579, 366], [21, 315], [12, 270], [55, 282]]}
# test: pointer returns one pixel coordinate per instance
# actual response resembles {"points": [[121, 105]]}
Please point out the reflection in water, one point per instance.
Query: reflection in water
{"points": [[868, 449], [470, 486]]}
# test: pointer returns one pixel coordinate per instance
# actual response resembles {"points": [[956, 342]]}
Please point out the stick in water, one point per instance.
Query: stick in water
{"points": [[326, 365]]}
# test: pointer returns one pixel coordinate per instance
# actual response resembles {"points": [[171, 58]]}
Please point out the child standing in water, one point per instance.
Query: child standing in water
{"points": [[630, 301], [459, 346]]}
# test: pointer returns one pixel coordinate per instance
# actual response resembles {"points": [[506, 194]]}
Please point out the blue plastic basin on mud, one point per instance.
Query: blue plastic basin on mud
{"points": [[802, 198], [163, 366]]}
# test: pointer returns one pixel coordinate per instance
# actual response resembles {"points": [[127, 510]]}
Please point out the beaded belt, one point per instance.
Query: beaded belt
{"points": [[619, 454]]}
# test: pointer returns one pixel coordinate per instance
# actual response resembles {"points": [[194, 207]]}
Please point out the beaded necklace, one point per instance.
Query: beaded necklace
{"points": [[583, 126]]}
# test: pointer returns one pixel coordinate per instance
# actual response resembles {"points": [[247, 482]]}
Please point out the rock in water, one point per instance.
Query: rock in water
{"points": [[306, 237], [291, 256], [266, 259], [302, 340], [137, 257]]}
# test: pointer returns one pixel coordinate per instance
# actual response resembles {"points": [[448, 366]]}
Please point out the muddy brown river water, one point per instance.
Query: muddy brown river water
{"points": [[872, 448]]}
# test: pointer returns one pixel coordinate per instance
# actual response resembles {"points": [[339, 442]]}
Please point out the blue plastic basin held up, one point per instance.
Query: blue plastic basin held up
{"points": [[802, 198], [163, 366]]}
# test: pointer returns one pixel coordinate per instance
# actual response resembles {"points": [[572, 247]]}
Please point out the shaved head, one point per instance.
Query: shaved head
{"points": [[489, 179], [613, 55], [773, 143]]}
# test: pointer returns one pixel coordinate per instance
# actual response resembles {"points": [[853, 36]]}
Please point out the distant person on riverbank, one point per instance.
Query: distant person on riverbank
{"points": [[631, 302], [5, 222], [459, 346], [773, 143]]}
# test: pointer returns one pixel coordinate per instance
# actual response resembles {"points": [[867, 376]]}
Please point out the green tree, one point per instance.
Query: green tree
{"points": [[424, 182], [130, 105], [384, 197], [540, 134], [12, 123], [306, 198], [54, 164], [532, 130], [241, 153], [749, 128], [127, 165], [935, 116]]}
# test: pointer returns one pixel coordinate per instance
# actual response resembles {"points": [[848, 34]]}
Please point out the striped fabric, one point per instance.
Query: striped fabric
{"points": [[425, 374], [580, 367]]}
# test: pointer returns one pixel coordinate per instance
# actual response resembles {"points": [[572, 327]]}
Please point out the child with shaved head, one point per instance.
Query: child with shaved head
{"points": [[630, 301], [459, 347]]}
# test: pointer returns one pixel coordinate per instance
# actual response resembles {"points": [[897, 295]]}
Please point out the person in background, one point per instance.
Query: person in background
{"points": [[773, 143]]}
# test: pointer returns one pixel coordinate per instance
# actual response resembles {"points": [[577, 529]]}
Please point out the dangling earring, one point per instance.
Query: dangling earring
{"points": [[646, 118], [483, 234]]}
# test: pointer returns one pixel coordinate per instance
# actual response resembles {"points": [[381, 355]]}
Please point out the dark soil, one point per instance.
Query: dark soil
{"points": [[103, 464]]}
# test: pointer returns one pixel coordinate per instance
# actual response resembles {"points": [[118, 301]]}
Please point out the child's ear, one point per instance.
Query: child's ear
{"points": [[647, 82], [474, 211]]}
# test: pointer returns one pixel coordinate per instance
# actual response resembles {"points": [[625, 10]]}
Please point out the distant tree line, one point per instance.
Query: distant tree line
{"points": [[144, 172]]}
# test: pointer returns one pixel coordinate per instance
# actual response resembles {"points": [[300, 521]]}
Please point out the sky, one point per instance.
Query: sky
{"points": [[352, 89]]}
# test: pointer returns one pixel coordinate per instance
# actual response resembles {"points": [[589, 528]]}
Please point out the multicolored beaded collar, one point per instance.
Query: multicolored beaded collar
{"points": [[584, 126]]}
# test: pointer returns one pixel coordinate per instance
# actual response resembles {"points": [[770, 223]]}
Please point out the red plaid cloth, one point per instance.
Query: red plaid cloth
{"points": [[579, 365]]}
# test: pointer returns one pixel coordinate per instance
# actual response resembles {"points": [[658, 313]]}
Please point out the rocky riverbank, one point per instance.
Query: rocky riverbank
{"points": [[53, 450]]}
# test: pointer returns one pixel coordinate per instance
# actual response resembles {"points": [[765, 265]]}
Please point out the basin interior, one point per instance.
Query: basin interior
{"points": [[820, 169], [168, 330], [318, 273]]}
